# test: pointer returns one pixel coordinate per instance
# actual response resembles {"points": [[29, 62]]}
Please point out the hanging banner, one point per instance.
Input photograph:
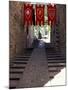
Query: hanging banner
{"points": [[51, 14], [28, 14], [39, 14]]}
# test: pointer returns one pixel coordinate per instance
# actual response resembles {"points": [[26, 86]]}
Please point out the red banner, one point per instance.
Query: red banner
{"points": [[39, 14], [28, 14], [51, 14]]}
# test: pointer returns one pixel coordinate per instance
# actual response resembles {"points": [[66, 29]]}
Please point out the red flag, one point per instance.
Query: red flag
{"points": [[28, 14], [39, 14], [51, 14]]}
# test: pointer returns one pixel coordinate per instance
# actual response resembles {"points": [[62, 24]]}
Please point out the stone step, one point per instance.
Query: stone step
{"points": [[23, 59], [57, 55], [51, 77], [27, 53], [56, 61], [18, 67], [52, 51], [16, 70], [13, 84], [54, 57], [20, 62], [49, 53], [20, 56], [56, 64], [57, 58], [53, 73], [14, 78], [55, 68], [15, 75]]}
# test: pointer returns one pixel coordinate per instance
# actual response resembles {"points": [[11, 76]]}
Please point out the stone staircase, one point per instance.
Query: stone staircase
{"points": [[17, 68], [57, 39], [56, 62]]}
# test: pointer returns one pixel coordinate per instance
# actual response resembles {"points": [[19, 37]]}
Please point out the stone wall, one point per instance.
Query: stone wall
{"points": [[16, 28], [61, 20], [60, 27]]}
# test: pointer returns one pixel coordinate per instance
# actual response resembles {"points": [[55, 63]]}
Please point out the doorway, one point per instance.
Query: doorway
{"points": [[39, 32]]}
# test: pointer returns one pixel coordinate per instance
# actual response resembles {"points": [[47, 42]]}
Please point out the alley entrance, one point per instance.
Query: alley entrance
{"points": [[37, 44], [39, 32]]}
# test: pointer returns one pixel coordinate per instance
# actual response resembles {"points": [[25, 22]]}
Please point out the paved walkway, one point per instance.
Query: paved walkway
{"points": [[36, 72]]}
